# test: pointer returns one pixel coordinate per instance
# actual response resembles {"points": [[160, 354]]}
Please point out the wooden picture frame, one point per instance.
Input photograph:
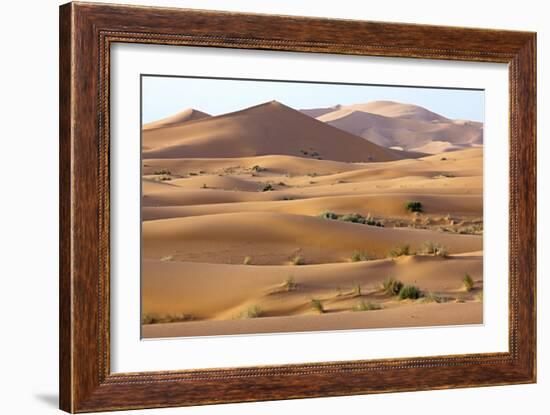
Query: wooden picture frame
{"points": [[86, 33]]}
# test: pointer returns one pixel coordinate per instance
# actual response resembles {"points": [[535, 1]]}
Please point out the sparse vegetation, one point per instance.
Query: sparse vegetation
{"points": [[290, 284], [358, 256], [357, 289], [317, 305], [167, 258], [392, 286], [468, 282], [154, 318], [162, 172], [409, 292], [204, 186], [352, 217], [328, 215], [432, 298], [479, 296], [400, 250], [434, 248], [247, 260], [267, 188], [298, 260], [258, 168], [413, 206], [366, 306], [252, 311]]}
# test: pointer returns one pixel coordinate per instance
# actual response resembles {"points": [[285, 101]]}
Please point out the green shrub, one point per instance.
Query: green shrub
{"points": [[162, 172], [268, 187], [434, 248], [468, 282], [413, 206], [358, 256], [290, 284], [252, 311], [328, 215], [400, 250], [392, 286], [317, 305], [366, 306], [409, 291]]}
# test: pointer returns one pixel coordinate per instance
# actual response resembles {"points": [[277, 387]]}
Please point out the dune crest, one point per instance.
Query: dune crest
{"points": [[181, 117]]}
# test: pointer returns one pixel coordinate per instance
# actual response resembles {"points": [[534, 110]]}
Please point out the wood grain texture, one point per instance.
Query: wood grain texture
{"points": [[86, 33]]}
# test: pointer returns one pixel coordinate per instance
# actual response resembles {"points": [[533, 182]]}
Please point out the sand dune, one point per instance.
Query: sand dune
{"points": [[179, 118], [270, 128], [379, 205], [409, 127], [199, 289], [231, 210], [275, 238], [280, 164]]}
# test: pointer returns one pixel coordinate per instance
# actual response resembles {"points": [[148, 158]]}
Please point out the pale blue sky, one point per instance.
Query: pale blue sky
{"points": [[164, 96]]}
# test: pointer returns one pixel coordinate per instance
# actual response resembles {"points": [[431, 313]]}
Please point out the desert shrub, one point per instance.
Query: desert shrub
{"points": [[434, 248], [154, 318], [392, 286], [400, 250], [282, 184], [353, 218], [468, 282], [290, 284], [317, 305], [268, 187], [247, 260], [366, 306], [193, 173], [204, 186], [409, 291], [432, 298], [298, 260], [164, 178], [328, 215], [413, 206], [167, 258], [479, 296], [258, 168], [358, 256], [162, 172], [252, 311], [357, 289]]}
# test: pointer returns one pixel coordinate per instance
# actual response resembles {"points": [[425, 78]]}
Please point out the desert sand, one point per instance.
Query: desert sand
{"points": [[252, 220]]}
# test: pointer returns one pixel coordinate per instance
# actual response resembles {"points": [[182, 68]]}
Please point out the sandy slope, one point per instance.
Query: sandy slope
{"points": [[200, 290], [409, 127], [275, 238], [181, 117], [270, 128]]}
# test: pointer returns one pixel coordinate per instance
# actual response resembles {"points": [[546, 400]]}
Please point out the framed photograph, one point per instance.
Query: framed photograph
{"points": [[260, 207]]}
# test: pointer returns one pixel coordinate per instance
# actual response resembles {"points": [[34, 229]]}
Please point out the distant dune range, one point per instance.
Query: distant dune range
{"points": [[409, 127], [265, 129], [232, 204]]}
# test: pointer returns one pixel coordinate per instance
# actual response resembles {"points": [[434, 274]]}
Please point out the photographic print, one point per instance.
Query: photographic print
{"points": [[289, 206]]}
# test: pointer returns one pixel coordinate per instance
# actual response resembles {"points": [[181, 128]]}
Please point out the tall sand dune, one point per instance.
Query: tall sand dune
{"points": [[270, 128]]}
